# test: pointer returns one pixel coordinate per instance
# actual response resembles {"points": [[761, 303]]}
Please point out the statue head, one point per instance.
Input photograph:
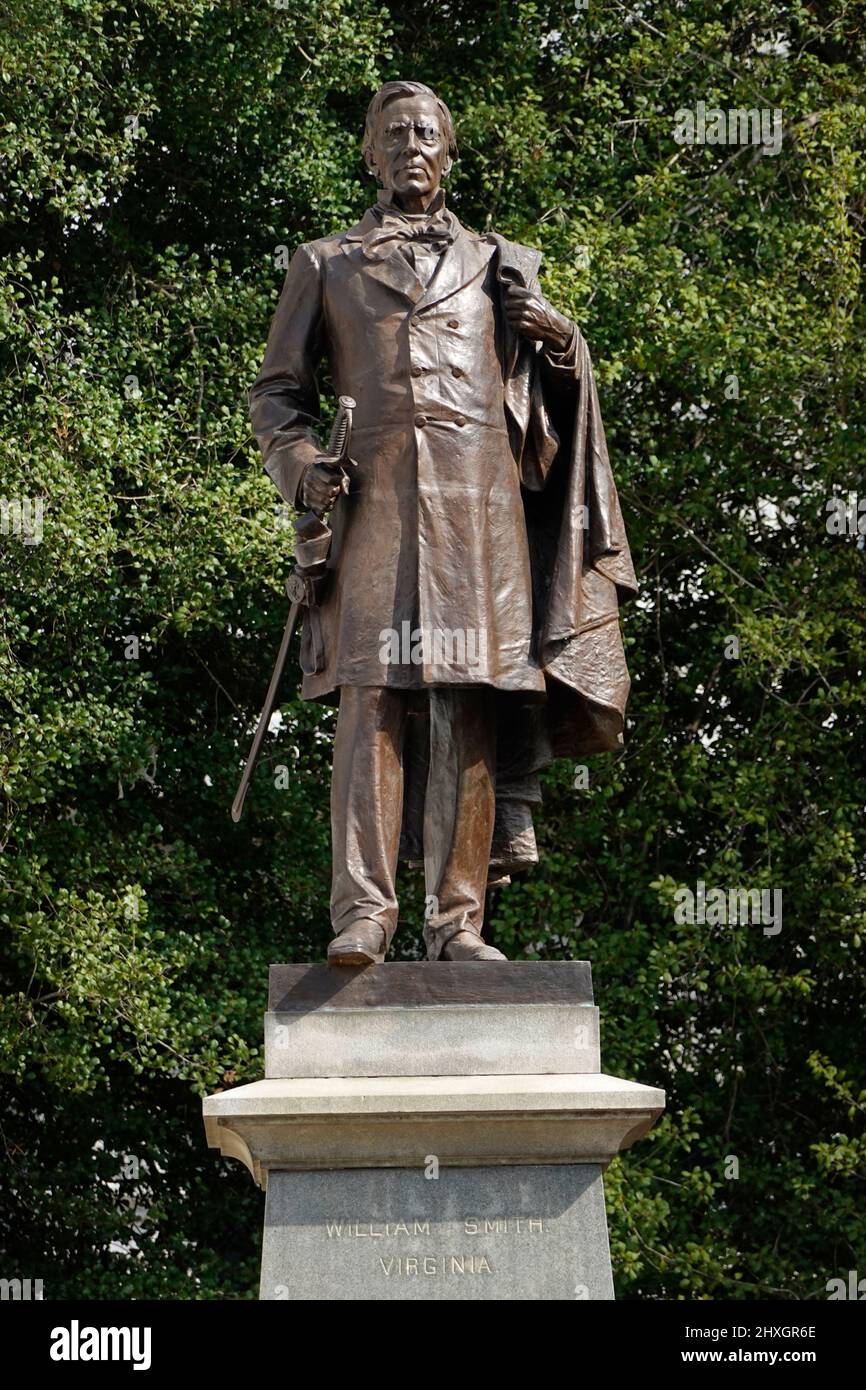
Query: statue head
{"points": [[409, 142]]}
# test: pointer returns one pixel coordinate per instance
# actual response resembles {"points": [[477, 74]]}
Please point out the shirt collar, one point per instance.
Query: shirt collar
{"points": [[385, 205]]}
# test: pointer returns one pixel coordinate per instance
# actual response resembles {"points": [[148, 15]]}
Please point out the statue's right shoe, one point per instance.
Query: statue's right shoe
{"points": [[363, 943]]}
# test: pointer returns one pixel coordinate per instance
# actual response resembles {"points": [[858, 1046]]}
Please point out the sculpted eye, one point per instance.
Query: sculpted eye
{"points": [[427, 131]]}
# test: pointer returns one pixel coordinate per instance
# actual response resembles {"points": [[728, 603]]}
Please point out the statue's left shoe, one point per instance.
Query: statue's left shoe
{"points": [[465, 945]]}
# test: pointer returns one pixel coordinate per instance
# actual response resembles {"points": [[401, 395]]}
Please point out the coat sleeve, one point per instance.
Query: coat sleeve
{"points": [[284, 401]]}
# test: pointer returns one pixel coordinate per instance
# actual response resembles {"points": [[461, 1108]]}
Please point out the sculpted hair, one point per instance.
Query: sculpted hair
{"points": [[390, 92]]}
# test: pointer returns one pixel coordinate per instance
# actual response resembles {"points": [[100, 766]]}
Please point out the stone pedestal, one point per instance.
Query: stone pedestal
{"points": [[432, 1131]]}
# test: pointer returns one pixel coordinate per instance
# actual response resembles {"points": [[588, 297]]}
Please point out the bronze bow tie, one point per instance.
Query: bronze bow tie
{"points": [[394, 232]]}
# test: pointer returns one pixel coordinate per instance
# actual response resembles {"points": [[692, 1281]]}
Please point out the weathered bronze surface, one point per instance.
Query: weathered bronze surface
{"points": [[468, 622], [410, 985]]}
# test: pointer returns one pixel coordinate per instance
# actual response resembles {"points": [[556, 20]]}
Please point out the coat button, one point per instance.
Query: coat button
{"points": [[453, 323], [456, 371], [460, 420], [415, 371], [420, 421]]}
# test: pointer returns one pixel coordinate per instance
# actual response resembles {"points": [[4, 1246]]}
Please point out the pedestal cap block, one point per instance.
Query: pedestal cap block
{"points": [[482, 1018]]}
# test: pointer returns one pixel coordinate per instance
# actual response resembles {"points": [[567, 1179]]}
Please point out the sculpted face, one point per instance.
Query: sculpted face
{"points": [[410, 151]]}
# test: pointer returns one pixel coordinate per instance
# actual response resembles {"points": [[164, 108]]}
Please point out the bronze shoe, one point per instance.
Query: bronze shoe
{"points": [[363, 943], [465, 945]]}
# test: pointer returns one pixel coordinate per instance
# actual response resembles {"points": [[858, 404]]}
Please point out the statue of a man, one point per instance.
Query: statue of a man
{"points": [[469, 624]]}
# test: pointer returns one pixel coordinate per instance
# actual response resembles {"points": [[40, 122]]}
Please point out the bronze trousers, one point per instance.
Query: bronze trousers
{"points": [[367, 806]]}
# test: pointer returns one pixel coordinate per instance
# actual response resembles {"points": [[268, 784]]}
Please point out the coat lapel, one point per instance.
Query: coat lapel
{"points": [[516, 265], [393, 271], [460, 263]]}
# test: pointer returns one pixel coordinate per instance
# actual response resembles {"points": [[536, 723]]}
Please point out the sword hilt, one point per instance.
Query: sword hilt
{"points": [[341, 428], [312, 533]]}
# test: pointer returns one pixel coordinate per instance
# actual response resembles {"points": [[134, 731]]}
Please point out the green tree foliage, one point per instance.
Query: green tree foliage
{"points": [[159, 159]]}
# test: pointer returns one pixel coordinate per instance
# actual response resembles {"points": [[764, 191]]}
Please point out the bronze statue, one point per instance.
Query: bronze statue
{"points": [[467, 621]]}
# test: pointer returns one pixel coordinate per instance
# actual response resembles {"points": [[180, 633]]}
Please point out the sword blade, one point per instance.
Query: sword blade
{"points": [[267, 711]]}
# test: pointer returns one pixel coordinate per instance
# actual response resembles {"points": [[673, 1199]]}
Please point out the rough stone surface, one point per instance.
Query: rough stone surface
{"points": [[433, 1040], [497, 1233]]}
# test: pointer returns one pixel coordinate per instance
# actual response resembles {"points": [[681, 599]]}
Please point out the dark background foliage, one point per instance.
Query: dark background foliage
{"points": [[159, 159]]}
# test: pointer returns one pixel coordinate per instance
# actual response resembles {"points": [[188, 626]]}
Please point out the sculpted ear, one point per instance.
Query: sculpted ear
{"points": [[370, 162]]}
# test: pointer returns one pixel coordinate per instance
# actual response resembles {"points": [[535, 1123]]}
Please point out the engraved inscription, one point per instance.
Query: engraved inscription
{"points": [[411, 1265], [472, 1226], [503, 1226], [376, 1231]]}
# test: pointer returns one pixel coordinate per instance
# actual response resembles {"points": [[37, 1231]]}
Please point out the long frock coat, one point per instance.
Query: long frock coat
{"points": [[482, 513]]}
